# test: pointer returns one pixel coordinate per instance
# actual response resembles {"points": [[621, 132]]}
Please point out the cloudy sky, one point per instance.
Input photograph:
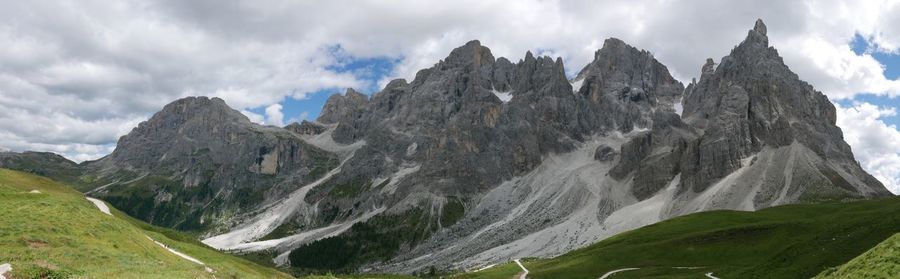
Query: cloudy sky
{"points": [[76, 75]]}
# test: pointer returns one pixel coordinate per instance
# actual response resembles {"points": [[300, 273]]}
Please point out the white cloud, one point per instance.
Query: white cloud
{"points": [[884, 31], [840, 72], [875, 144], [274, 116], [254, 117]]}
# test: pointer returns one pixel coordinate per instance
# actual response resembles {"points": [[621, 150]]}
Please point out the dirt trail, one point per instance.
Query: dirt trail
{"points": [[524, 270], [617, 271], [100, 205]]}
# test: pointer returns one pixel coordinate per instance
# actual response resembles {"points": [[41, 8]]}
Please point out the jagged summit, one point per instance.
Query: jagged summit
{"points": [[341, 106], [760, 27], [198, 159], [752, 102], [199, 106], [472, 53], [709, 66], [756, 37]]}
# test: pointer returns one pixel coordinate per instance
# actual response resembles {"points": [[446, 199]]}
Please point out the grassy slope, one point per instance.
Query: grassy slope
{"points": [[505, 271], [883, 261], [794, 241], [59, 232], [360, 276]]}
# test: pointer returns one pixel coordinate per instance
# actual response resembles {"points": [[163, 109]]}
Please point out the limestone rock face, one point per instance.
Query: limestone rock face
{"points": [[343, 107], [752, 101], [209, 158], [306, 128], [625, 85], [471, 139], [752, 135], [605, 153]]}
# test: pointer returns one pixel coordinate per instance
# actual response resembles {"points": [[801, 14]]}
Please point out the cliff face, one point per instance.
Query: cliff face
{"points": [[481, 159], [750, 103], [475, 120], [514, 141], [198, 163]]}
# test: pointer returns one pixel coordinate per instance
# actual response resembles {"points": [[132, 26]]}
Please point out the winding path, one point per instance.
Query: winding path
{"points": [[182, 255], [525, 270], [485, 267], [617, 271], [4, 268], [100, 205], [105, 209], [710, 276]]}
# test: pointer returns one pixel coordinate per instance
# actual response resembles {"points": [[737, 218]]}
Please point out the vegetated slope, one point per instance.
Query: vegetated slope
{"points": [[197, 165], [792, 241], [359, 276], [51, 231], [883, 261], [46, 164]]}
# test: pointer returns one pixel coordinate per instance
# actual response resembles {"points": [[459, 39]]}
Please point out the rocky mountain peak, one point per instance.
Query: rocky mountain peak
{"points": [[753, 102], [189, 107], [756, 37], [353, 94], [182, 120], [199, 114], [339, 106], [626, 84], [621, 58], [613, 44], [470, 54], [709, 66], [196, 157], [760, 27]]}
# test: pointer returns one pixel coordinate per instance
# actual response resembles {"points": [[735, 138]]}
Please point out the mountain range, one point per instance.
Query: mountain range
{"points": [[479, 160]]}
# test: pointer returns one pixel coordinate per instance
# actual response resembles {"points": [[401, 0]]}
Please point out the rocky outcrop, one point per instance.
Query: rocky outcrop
{"points": [[343, 107], [306, 128], [751, 101], [211, 162], [752, 136], [625, 85], [605, 153]]}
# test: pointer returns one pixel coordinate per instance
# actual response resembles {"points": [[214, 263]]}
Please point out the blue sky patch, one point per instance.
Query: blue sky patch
{"points": [[881, 101], [891, 61], [370, 70]]}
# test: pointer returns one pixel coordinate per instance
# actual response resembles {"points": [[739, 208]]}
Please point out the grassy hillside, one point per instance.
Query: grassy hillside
{"points": [[360, 276], [57, 233], [46, 164], [51, 231], [794, 241], [883, 261], [505, 271]]}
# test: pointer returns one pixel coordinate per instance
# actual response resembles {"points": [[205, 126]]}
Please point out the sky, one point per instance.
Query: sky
{"points": [[77, 75]]}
